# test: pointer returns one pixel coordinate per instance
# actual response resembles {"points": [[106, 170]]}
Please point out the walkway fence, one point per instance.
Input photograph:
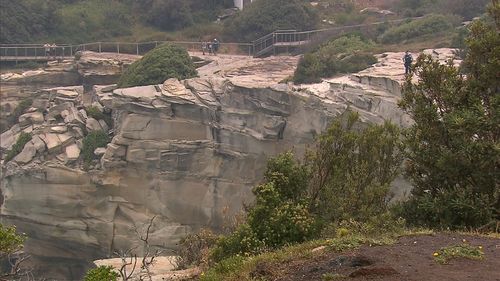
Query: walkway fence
{"points": [[37, 52], [280, 41]]}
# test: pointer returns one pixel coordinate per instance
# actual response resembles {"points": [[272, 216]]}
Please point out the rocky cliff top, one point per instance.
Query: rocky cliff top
{"points": [[188, 152]]}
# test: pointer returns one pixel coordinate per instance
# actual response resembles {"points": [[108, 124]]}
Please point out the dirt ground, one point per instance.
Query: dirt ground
{"points": [[409, 259]]}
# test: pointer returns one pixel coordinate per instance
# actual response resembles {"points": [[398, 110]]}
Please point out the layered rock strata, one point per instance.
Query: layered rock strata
{"points": [[185, 152]]}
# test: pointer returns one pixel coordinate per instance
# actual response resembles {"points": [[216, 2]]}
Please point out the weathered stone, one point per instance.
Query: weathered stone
{"points": [[58, 129], [72, 152], [27, 154], [100, 151], [9, 137], [31, 118], [58, 109], [98, 106], [186, 167], [104, 126], [72, 116], [38, 144], [83, 114], [136, 155], [77, 132], [116, 151], [93, 125], [67, 94], [52, 141]]}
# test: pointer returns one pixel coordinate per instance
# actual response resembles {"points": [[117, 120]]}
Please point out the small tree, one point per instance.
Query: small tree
{"points": [[453, 147], [101, 273], [353, 168], [11, 245]]}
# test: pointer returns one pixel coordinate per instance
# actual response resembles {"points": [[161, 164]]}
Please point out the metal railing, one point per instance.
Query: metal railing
{"points": [[303, 40], [26, 52], [269, 44]]}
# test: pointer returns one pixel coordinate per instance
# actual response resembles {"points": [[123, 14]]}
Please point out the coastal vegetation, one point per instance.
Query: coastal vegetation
{"points": [[166, 61]]}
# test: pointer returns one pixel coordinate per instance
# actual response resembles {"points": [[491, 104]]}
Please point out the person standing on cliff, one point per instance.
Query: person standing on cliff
{"points": [[407, 59], [47, 49], [215, 46], [204, 47]]}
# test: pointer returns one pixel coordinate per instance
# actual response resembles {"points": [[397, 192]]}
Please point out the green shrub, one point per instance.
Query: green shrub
{"points": [[194, 249], [452, 148], [353, 168], [10, 241], [454, 208], [428, 25], [166, 61], [265, 16], [346, 54], [21, 141], [92, 141], [242, 242], [225, 267], [102, 273], [280, 214]]}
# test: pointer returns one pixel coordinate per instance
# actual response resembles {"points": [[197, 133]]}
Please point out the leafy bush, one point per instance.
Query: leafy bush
{"points": [[21, 141], [428, 25], [10, 241], [194, 249], [452, 148], [352, 170], [102, 273], [92, 141], [345, 177], [343, 55], [279, 215], [166, 61], [265, 16]]}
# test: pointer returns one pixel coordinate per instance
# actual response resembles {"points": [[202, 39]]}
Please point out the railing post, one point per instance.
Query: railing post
{"points": [[100, 47], [118, 47], [137, 48]]}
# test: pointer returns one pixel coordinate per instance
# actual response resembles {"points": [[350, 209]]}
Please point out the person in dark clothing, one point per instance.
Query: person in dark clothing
{"points": [[407, 59], [215, 46]]}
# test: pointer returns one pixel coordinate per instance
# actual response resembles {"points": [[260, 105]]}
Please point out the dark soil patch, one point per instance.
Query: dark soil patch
{"points": [[409, 259]]}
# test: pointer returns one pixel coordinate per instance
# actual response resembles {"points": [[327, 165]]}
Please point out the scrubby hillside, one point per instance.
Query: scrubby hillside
{"points": [[68, 21]]}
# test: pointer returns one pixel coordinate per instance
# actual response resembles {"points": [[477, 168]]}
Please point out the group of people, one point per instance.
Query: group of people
{"points": [[210, 47], [50, 49]]}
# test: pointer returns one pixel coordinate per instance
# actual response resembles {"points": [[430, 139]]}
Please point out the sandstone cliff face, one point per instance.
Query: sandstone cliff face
{"points": [[187, 152]]}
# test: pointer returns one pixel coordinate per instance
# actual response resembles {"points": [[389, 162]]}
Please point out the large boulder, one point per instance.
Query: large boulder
{"points": [[27, 154]]}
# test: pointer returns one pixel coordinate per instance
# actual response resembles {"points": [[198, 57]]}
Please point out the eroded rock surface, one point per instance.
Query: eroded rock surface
{"points": [[187, 152]]}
